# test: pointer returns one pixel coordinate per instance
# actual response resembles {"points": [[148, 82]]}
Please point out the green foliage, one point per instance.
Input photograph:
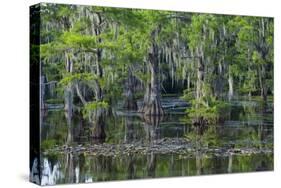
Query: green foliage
{"points": [[48, 144], [103, 43], [92, 106], [249, 84], [209, 109], [188, 95], [72, 40], [71, 78]]}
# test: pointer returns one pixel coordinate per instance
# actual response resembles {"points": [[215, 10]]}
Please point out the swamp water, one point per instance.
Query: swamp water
{"points": [[136, 148]]}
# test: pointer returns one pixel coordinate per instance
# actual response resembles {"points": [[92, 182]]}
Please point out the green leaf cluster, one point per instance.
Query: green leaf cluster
{"points": [[92, 106]]}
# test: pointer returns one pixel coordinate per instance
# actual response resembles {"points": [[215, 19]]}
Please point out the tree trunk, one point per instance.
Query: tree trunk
{"points": [[79, 94], [200, 79], [188, 82], [152, 103], [68, 91], [263, 88], [69, 138], [263, 50], [219, 81], [200, 120], [130, 102], [42, 92], [230, 86], [97, 118], [98, 131], [151, 124]]}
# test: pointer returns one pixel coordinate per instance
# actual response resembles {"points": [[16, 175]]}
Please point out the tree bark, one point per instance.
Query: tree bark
{"points": [[68, 91], [263, 50], [152, 103], [98, 131], [230, 86], [263, 88], [200, 75], [219, 81], [79, 94], [151, 124], [97, 119], [188, 82], [130, 102]]}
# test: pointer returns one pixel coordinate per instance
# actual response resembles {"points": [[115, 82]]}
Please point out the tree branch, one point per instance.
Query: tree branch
{"points": [[80, 94]]}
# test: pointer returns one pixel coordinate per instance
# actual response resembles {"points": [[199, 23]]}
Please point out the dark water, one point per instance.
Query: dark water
{"points": [[249, 126]]}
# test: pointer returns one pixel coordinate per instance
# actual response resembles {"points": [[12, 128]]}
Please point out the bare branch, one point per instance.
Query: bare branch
{"points": [[80, 94]]}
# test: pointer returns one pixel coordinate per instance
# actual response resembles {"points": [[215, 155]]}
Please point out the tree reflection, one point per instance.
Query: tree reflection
{"points": [[130, 132], [70, 168], [151, 164], [131, 172], [151, 125], [202, 137], [249, 129]]}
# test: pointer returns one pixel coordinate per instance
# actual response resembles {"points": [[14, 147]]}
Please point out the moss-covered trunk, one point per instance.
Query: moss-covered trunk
{"points": [[152, 103], [68, 90]]}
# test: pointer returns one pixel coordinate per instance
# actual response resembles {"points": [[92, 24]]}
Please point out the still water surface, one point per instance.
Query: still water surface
{"points": [[249, 127]]}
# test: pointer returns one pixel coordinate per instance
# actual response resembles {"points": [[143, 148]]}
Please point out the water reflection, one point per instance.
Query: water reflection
{"points": [[34, 173], [98, 168], [248, 126], [50, 174], [151, 127]]}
